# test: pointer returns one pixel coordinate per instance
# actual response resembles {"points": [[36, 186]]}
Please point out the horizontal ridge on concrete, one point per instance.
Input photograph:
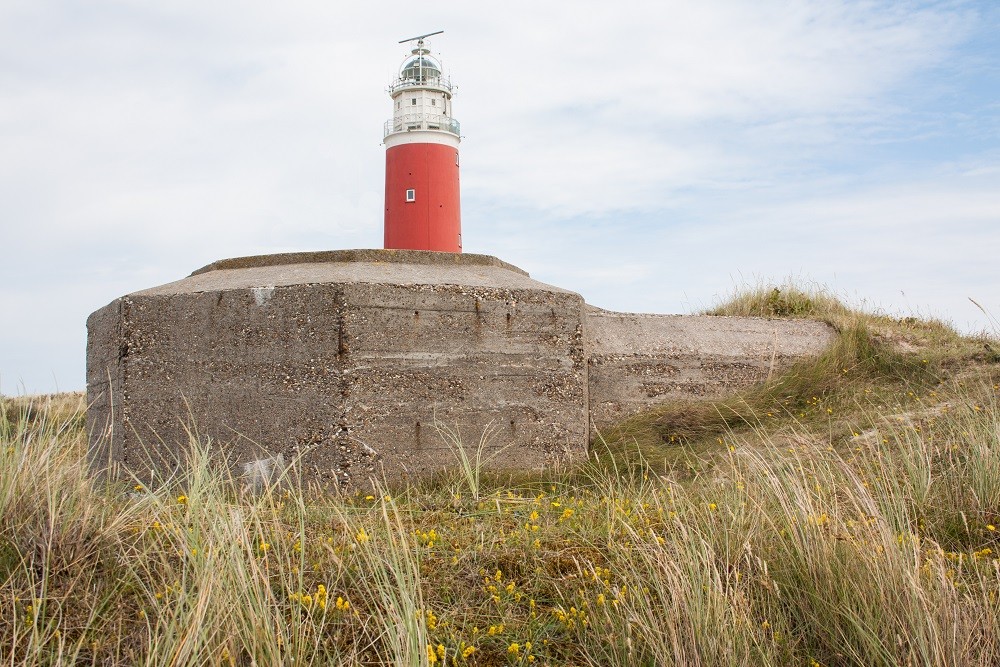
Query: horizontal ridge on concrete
{"points": [[429, 271], [613, 332], [364, 255]]}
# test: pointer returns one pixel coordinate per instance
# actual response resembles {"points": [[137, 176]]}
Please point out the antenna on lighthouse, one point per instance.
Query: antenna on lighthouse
{"points": [[420, 50], [420, 38]]}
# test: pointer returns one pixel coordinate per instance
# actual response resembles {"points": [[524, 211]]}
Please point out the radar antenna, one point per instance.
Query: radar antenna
{"points": [[420, 51], [420, 38]]}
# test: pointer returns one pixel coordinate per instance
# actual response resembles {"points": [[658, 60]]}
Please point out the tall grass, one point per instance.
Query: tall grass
{"points": [[788, 299], [857, 524], [874, 360]]}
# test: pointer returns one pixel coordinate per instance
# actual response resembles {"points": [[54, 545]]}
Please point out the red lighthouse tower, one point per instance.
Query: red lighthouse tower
{"points": [[422, 210]]}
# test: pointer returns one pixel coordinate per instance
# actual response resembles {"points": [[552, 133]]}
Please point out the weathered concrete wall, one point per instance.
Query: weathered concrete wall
{"points": [[639, 360], [357, 364], [350, 361]]}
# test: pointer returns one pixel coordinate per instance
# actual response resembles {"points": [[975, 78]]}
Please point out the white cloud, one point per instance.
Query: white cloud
{"points": [[925, 248], [661, 148]]}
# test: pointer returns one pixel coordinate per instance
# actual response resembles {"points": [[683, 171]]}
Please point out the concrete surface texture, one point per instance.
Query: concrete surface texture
{"points": [[355, 364], [639, 360], [370, 363]]}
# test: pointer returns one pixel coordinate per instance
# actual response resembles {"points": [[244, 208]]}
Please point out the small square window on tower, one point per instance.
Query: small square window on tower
{"points": [[411, 195], [413, 101]]}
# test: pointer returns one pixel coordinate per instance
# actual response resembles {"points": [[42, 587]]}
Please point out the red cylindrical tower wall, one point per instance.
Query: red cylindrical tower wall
{"points": [[433, 220]]}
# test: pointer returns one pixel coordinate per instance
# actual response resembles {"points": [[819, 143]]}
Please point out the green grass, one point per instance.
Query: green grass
{"points": [[846, 513], [877, 364]]}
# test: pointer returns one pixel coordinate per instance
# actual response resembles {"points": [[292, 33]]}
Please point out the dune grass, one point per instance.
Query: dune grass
{"points": [[831, 517], [877, 365]]}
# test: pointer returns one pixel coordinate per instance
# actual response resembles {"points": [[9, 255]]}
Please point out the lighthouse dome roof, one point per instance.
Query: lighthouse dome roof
{"points": [[420, 68]]}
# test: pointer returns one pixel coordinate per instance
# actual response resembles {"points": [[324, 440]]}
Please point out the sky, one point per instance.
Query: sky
{"points": [[654, 157]]}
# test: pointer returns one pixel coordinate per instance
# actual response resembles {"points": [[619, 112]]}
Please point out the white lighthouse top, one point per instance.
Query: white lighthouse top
{"points": [[421, 97], [420, 69]]}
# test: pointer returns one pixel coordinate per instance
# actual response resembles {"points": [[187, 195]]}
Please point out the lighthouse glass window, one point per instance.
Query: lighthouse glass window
{"points": [[411, 195]]}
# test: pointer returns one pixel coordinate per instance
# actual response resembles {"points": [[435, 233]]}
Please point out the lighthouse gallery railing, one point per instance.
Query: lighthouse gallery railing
{"points": [[421, 121]]}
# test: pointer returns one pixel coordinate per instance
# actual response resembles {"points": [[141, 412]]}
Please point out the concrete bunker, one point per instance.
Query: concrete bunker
{"points": [[363, 363]]}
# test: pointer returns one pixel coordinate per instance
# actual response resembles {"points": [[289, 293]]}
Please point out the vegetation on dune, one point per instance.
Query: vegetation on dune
{"points": [[845, 513], [877, 365]]}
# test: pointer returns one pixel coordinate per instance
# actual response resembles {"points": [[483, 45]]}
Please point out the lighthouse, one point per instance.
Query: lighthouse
{"points": [[422, 209]]}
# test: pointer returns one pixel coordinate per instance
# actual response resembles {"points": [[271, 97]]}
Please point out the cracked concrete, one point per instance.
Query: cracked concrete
{"points": [[370, 363]]}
